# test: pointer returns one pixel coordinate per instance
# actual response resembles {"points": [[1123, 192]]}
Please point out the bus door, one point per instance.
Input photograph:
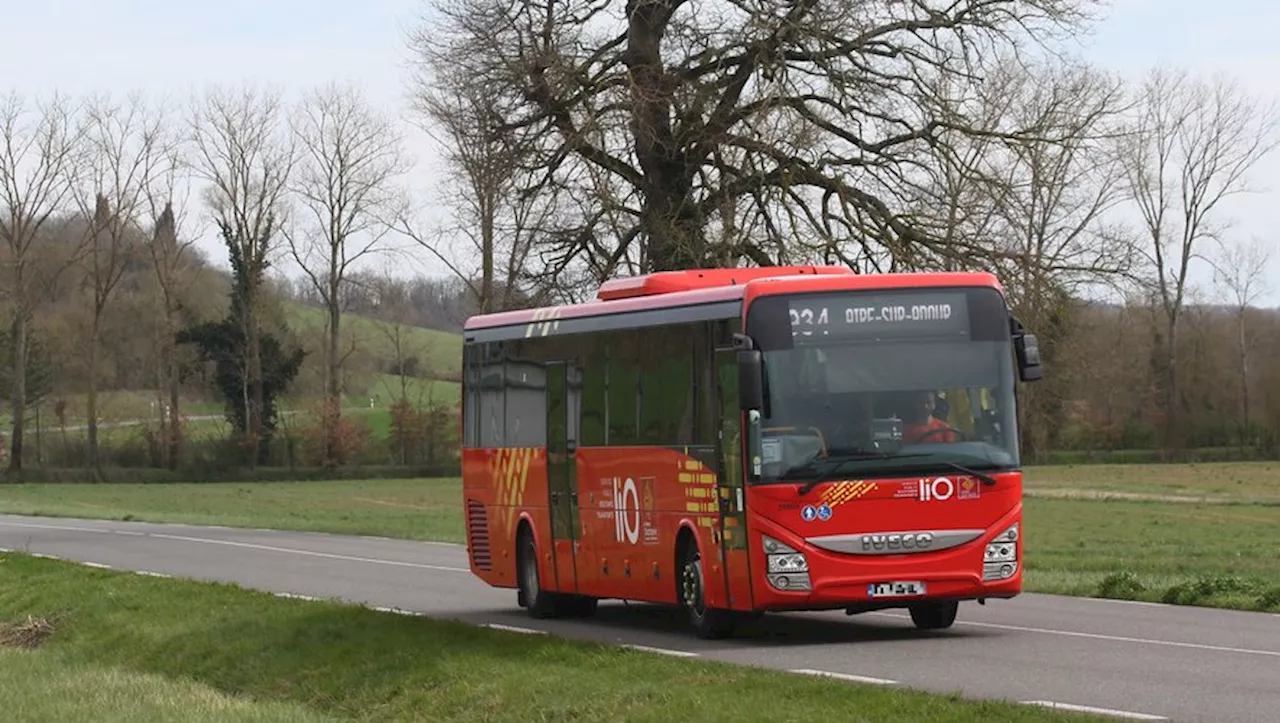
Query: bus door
{"points": [[730, 492], [564, 387]]}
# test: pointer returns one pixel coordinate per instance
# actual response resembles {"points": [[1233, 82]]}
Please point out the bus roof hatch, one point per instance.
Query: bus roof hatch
{"points": [[667, 282]]}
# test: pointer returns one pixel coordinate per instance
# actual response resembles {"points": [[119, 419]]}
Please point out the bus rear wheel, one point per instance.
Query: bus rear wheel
{"points": [[707, 622], [539, 602], [934, 615]]}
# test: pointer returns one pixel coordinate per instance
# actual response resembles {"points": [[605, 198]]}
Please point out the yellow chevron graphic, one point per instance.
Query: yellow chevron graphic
{"points": [[510, 472], [842, 492]]}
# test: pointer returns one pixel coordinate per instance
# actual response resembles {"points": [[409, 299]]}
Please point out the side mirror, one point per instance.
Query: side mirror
{"points": [[750, 380], [750, 374], [1027, 351]]}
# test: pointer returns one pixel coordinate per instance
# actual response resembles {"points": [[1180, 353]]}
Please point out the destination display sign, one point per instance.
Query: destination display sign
{"points": [[871, 315]]}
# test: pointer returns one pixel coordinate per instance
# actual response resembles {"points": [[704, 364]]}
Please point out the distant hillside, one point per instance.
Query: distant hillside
{"points": [[439, 352]]}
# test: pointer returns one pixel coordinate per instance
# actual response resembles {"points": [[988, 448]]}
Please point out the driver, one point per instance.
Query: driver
{"points": [[921, 426]]}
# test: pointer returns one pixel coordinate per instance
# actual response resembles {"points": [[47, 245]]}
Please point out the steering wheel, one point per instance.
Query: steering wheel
{"points": [[937, 430]]}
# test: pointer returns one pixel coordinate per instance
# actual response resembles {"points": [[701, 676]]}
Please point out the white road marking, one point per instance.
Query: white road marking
{"points": [[98, 565], [152, 574], [43, 556], [1090, 709], [514, 629], [662, 651], [248, 545], [844, 676], [295, 596], [1143, 603], [73, 528], [1100, 636], [398, 611]]}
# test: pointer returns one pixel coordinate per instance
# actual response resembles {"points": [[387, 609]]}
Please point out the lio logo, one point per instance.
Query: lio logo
{"points": [[626, 506], [940, 489]]}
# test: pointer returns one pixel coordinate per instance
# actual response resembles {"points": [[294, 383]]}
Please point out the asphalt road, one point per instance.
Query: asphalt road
{"points": [[1151, 662]]}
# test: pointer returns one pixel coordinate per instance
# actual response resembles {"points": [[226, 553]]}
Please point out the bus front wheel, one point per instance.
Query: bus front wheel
{"points": [[934, 615], [707, 622]]}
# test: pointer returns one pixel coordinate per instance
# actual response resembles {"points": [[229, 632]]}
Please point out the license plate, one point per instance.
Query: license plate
{"points": [[895, 589]]}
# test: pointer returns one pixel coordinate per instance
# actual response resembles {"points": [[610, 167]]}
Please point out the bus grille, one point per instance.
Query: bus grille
{"points": [[478, 535]]}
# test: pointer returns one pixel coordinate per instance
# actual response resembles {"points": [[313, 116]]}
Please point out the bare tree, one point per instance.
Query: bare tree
{"points": [[803, 117], [171, 263], [1031, 207], [241, 149], [1192, 146], [39, 161], [351, 158], [1241, 271], [493, 221], [127, 147]]}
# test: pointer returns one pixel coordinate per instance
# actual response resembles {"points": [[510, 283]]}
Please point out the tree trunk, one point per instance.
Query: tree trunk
{"points": [[668, 217], [257, 398], [18, 402], [333, 374], [674, 235], [175, 415], [487, 239], [91, 405], [162, 384], [1244, 384], [1173, 430]]}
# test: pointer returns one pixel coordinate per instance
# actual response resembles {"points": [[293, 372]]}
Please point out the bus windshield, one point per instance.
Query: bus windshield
{"points": [[884, 383]]}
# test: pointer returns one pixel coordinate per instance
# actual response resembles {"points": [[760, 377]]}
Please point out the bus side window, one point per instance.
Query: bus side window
{"points": [[594, 402], [623, 388], [492, 394], [665, 359]]}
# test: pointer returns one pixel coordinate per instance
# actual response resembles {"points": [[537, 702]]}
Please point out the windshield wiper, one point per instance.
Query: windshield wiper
{"points": [[986, 479], [843, 459]]}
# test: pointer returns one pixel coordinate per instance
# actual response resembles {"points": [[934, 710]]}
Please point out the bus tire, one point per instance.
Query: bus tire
{"points": [[539, 602], [934, 615], [579, 606], [707, 622]]}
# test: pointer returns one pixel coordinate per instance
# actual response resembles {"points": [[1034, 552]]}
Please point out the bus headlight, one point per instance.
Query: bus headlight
{"points": [[787, 567], [1000, 558]]}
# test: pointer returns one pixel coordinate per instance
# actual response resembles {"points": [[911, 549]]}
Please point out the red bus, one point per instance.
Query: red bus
{"points": [[738, 441]]}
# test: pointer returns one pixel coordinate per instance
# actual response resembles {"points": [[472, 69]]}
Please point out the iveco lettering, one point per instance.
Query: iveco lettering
{"points": [[742, 441]]}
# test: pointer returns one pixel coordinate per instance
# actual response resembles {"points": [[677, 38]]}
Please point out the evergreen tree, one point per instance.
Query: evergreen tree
{"points": [[226, 344]]}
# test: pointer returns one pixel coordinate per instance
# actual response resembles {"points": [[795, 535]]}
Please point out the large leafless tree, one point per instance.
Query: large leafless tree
{"points": [[1031, 207], [487, 237], [242, 149], [799, 119], [40, 157], [172, 262], [346, 182], [127, 147], [1240, 269], [1192, 146]]}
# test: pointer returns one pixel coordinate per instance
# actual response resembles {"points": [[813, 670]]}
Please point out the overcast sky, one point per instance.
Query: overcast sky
{"points": [[179, 46]]}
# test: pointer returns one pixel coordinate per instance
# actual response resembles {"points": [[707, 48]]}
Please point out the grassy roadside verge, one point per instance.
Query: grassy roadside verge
{"points": [[427, 509], [1140, 532], [141, 648]]}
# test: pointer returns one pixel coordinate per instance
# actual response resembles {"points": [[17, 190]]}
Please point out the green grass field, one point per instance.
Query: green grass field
{"points": [[125, 647], [1157, 532], [410, 509], [1158, 537], [440, 351]]}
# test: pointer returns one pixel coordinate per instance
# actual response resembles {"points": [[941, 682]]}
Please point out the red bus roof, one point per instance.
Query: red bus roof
{"points": [[696, 286]]}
